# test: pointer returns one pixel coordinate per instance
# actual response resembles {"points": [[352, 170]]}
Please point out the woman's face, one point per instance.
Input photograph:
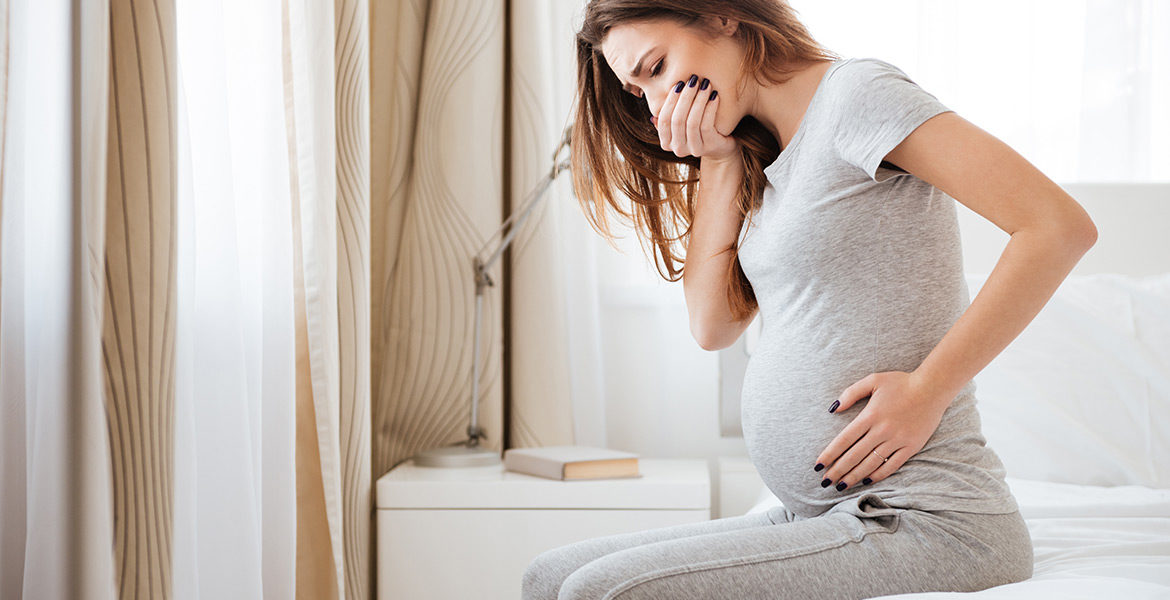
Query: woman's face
{"points": [[670, 53]]}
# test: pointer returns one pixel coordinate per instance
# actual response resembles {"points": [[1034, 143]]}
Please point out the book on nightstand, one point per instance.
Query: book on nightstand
{"points": [[572, 462]]}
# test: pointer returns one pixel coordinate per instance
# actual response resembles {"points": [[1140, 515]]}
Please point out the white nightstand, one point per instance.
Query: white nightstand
{"points": [[471, 532]]}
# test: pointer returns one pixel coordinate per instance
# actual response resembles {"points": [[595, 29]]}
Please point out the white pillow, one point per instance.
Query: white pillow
{"points": [[1082, 396]]}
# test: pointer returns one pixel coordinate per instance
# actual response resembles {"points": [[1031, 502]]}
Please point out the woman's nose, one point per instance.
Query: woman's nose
{"points": [[655, 106]]}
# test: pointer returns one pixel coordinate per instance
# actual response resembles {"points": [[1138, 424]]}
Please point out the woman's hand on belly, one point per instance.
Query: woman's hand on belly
{"points": [[896, 423]]}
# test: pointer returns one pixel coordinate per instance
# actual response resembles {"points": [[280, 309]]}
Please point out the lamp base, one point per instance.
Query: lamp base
{"points": [[457, 456]]}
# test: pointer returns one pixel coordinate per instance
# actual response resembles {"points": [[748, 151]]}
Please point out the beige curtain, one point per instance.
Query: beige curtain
{"points": [[468, 101], [328, 129], [408, 130], [89, 365], [437, 81]]}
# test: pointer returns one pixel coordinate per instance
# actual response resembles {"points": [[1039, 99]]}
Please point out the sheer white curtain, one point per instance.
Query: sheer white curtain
{"points": [[184, 381], [558, 384], [52, 519], [235, 487]]}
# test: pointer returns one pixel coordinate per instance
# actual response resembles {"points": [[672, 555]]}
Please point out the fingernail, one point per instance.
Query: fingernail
{"points": [[833, 408], [678, 88], [841, 486], [825, 482], [867, 481], [706, 82], [692, 81], [818, 467], [712, 95]]}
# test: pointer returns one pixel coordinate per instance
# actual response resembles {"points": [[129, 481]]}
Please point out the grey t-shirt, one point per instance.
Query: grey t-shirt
{"points": [[857, 268]]}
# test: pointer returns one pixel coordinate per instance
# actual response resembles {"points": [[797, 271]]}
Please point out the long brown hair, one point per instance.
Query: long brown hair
{"points": [[662, 185]]}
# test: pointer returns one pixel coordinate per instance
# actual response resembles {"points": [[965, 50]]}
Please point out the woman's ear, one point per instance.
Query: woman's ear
{"points": [[724, 25], [728, 25]]}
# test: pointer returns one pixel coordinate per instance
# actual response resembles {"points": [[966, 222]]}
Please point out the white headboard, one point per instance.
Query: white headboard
{"points": [[1133, 238]]}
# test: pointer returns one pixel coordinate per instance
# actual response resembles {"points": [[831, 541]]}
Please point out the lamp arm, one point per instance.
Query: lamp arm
{"points": [[525, 211], [535, 195], [482, 279]]}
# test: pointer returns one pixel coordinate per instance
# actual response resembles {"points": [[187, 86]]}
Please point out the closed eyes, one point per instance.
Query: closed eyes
{"points": [[655, 71]]}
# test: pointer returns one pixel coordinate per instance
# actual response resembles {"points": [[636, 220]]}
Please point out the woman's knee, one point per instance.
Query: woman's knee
{"points": [[544, 574], [589, 582], [632, 574]]}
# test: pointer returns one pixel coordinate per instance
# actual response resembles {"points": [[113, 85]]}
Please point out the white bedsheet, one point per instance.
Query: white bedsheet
{"points": [[1090, 542]]}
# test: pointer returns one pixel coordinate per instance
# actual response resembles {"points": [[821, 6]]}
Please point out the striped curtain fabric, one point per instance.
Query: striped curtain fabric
{"points": [[235, 283], [184, 313]]}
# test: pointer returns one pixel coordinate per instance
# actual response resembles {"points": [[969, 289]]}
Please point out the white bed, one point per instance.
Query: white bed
{"points": [[1078, 408], [1089, 542]]}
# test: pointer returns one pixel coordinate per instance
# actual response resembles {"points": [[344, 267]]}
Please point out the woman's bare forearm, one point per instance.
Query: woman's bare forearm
{"points": [[716, 226]]}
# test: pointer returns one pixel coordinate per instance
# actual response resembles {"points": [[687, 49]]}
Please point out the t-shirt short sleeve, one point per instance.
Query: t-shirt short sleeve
{"points": [[877, 106]]}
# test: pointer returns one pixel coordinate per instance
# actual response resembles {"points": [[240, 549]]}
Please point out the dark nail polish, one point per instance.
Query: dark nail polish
{"points": [[713, 94], [833, 408], [818, 467], [692, 81], [678, 88], [706, 82], [867, 481], [841, 486], [825, 482]]}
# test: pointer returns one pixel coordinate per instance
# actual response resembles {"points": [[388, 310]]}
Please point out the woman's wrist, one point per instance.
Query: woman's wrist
{"points": [[714, 170], [719, 178], [734, 159]]}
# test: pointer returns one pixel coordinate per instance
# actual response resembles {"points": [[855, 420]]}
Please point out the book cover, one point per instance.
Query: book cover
{"points": [[568, 463]]}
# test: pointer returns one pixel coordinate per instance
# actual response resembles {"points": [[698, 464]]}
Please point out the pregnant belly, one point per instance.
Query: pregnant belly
{"points": [[787, 425], [787, 391], [785, 429]]}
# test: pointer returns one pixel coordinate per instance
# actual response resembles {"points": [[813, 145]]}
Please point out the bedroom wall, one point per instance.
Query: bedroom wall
{"points": [[1131, 221]]}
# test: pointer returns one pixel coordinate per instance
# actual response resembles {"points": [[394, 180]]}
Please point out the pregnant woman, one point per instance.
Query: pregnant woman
{"points": [[817, 192]]}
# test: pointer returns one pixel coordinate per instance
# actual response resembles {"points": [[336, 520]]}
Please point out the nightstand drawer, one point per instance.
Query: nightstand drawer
{"points": [[458, 553], [470, 533]]}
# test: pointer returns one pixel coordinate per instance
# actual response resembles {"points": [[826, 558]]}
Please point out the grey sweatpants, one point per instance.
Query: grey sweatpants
{"points": [[860, 548]]}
